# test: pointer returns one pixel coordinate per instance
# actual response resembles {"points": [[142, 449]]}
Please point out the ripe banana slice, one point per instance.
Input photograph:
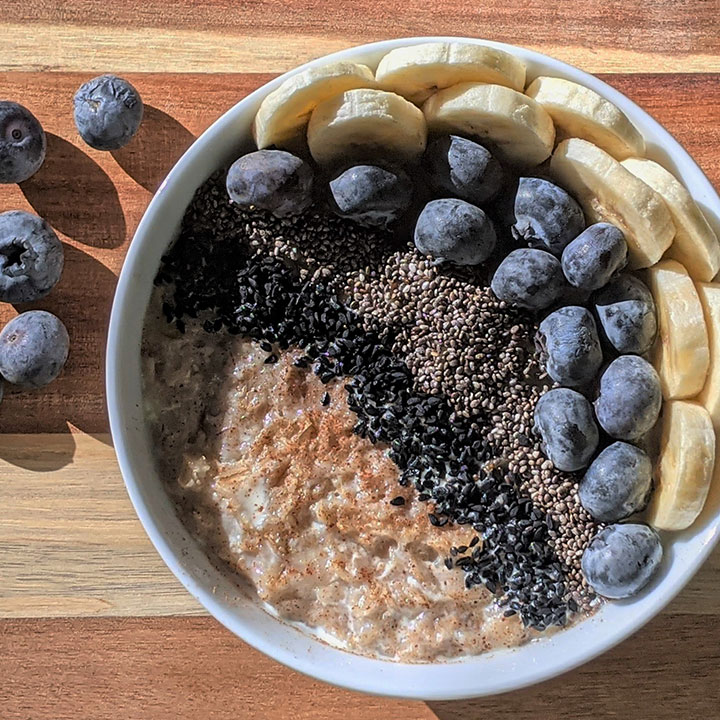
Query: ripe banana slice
{"points": [[365, 124], [681, 354], [685, 466], [521, 132], [709, 397], [416, 72], [609, 192], [696, 246], [284, 114], [580, 112]]}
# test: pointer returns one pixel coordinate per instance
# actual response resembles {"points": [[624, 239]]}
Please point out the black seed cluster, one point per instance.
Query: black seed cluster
{"points": [[445, 455]]}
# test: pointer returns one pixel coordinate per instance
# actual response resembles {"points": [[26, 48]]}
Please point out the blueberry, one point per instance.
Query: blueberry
{"points": [[622, 559], [272, 180], [617, 484], [22, 143], [456, 231], [108, 111], [564, 421], [545, 215], [463, 168], [569, 338], [33, 349], [371, 195], [595, 256], [530, 278], [629, 401], [626, 311], [31, 257]]}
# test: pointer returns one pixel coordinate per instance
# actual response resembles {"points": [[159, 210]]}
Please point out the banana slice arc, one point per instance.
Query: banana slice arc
{"points": [[416, 72], [695, 245], [681, 354], [521, 132], [608, 192], [284, 114], [684, 468], [709, 397], [580, 112], [365, 124]]}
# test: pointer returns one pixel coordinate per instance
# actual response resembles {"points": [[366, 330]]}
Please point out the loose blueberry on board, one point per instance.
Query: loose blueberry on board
{"points": [[272, 180], [629, 401], [545, 215], [455, 231], [570, 341], [626, 311], [22, 143], [564, 421], [530, 278], [33, 349], [622, 559], [597, 254], [463, 169], [108, 111], [31, 257], [617, 484], [371, 195]]}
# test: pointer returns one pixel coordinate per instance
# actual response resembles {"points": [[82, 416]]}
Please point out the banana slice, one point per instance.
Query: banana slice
{"points": [[610, 193], [580, 112], [696, 246], [365, 124], [284, 114], [681, 354], [521, 132], [709, 397], [685, 466], [416, 72]]}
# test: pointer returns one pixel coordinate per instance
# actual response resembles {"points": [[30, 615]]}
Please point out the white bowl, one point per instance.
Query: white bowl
{"points": [[494, 672]]}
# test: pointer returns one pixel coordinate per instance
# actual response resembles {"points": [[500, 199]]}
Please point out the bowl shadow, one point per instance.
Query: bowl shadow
{"points": [[14, 451], [76, 196], [157, 146]]}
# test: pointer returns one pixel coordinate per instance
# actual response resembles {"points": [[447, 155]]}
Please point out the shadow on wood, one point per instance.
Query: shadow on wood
{"points": [[76, 196], [158, 145], [15, 451]]}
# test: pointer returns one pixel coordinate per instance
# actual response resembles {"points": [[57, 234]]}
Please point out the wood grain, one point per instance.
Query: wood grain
{"points": [[95, 201], [178, 668], [72, 546], [271, 35]]}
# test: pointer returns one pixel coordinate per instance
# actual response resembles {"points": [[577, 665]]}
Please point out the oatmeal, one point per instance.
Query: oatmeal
{"points": [[263, 462]]}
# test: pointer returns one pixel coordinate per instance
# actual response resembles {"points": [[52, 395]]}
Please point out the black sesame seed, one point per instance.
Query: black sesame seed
{"points": [[325, 399], [399, 500]]}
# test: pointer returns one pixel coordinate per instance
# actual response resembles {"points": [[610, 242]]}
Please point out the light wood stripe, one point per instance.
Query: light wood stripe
{"points": [[131, 48], [71, 545]]}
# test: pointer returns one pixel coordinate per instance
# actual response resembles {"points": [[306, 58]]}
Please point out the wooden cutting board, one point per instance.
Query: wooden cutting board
{"points": [[92, 624]]}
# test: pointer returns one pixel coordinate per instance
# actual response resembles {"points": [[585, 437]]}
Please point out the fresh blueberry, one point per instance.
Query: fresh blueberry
{"points": [[622, 559], [617, 484], [463, 168], [545, 215], [371, 195], [33, 349], [272, 180], [629, 401], [626, 311], [594, 256], [22, 143], [564, 421], [108, 111], [456, 231], [570, 341], [31, 257], [530, 278]]}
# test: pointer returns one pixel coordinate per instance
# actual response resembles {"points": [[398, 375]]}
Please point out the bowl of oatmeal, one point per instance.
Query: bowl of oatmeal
{"points": [[329, 436]]}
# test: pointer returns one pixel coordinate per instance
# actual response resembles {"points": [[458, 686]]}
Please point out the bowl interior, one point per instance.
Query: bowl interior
{"points": [[494, 672]]}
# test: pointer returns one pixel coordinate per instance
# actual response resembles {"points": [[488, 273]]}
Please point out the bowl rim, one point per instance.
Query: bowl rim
{"points": [[120, 421]]}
